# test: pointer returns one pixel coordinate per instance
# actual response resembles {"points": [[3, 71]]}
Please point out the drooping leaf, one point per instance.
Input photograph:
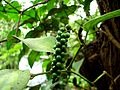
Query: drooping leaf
{"points": [[35, 33], [32, 57], [40, 44], [93, 23], [13, 79]]}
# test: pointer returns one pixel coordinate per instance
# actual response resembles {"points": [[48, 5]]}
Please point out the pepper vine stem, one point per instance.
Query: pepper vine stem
{"points": [[81, 76], [33, 75]]}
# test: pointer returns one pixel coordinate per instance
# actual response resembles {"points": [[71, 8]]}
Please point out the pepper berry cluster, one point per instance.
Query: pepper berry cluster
{"points": [[58, 62]]}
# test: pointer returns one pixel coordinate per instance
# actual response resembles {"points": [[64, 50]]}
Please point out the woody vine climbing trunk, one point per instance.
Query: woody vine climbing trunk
{"points": [[102, 54]]}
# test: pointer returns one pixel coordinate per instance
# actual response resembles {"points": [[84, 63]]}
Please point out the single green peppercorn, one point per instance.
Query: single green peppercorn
{"points": [[67, 35], [58, 51], [58, 58], [54, 75], [58, 38], [58, 64], [58, 44], [63, 35], [63, 41], [59, 32]]}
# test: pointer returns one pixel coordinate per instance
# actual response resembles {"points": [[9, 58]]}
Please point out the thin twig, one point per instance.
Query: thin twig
{"points": [[22, 12], [117, 78], [81, 76], [19, 21], [99, 77], [3, 40], [36, 5], [33, 75]]}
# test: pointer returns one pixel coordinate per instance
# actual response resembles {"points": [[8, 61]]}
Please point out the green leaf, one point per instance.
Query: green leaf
{"points": [[41, 11], [40, 44], [93, 23], [32, 57], [16, 5], [50, 4], [64, 11], [27, 20], [87, 5], [30, 13], [23, 51], [36, 32], [66, 1], [11, 39], [77, 65], [13, 79]]}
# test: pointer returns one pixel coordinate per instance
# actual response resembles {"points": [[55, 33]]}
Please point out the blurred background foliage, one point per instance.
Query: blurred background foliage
{"points": [[42, 19]]}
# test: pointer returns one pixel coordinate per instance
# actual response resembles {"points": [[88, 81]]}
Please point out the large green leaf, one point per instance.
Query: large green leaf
{"points": [[40, 44], [13, 79], [92, 23]]}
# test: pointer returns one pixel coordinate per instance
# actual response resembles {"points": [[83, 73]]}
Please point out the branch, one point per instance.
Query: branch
{"points": [[99, 77], [22, 12], [81, 76], [3, 40], [19, 22], [36, 5]]}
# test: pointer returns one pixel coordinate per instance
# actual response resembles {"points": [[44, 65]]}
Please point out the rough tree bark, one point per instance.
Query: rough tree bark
{"points": [[105, 55]]}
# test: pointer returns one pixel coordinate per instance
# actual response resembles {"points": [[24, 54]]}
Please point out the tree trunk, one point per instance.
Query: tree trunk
{"points": [[107, 53]]}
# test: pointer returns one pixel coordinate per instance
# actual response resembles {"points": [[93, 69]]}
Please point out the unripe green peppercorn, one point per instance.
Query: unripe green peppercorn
{"points": [[58, 58], [58, 64], [63, 41], [54, 75], [67, 35], [59, 32], [58, 51], [58, 38], [63, 35], [58, 44]]}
